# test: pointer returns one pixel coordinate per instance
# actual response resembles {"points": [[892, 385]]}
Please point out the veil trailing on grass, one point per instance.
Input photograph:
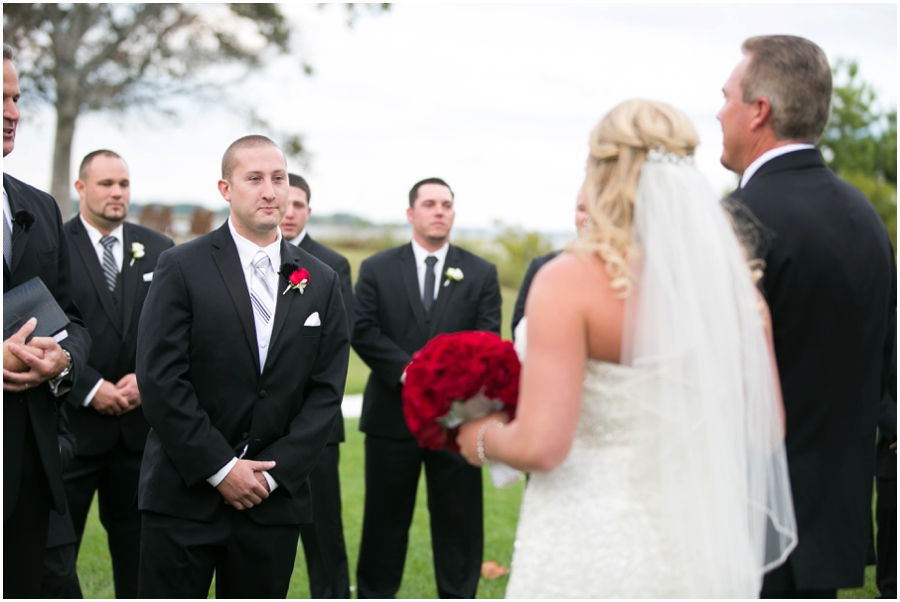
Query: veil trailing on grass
{"points": [[713, 419]]}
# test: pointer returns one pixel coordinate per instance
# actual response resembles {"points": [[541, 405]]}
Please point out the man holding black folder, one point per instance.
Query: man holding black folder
{"points": [[36, 374]]}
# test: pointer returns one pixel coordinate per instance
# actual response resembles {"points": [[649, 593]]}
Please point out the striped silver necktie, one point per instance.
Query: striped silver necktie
{"points": [[260, 291], [110, 269], [7, 242]]}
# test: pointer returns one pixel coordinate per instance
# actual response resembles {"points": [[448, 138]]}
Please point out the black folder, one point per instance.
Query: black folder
{"points": [[29, 300]]}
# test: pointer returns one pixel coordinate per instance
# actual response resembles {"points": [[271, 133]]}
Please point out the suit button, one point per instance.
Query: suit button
{"points": [[245, 435], [262, 394]]}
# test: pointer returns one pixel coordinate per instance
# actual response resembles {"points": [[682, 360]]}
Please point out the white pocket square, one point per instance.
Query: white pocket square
{"points": [[148, 276], [313, 320]]}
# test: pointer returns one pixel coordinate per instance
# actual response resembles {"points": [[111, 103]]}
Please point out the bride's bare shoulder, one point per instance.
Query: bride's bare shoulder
{"points": [[573, 274]]}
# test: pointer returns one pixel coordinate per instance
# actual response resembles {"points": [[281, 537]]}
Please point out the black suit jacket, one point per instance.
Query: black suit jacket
{"points": [[886, 458], [391, 324], [204, 396], [39, 250], [533, 267], [830, 281], [339, 264], [60, 530], [113, 333]]}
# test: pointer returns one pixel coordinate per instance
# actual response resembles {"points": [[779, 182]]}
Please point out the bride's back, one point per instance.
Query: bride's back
{"points": [[577, 286]]}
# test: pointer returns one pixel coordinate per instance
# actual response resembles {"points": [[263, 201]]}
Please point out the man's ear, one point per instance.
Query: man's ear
{"points": [[79, 188], [762, 113], [225, 190], [409, 214]]}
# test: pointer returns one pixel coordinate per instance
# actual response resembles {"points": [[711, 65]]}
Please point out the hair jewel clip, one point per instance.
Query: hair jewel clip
{"points": [[660, 155]]}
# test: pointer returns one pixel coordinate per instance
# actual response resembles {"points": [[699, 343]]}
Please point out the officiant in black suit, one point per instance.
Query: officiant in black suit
{"points": [[241, 376], [112, 269], [404, 297], [830, 282], [323, 539], [33, 245]]}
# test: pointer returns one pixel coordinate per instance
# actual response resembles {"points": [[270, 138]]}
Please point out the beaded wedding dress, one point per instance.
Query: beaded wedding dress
{"points": [[589, 528], [676, 483]]}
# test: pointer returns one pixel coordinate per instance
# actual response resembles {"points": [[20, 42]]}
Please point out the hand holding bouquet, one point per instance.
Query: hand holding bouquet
{"points": [[456, 378]]}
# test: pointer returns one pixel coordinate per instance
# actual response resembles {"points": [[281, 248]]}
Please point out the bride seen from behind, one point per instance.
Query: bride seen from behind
{"points": [[649, 414]]}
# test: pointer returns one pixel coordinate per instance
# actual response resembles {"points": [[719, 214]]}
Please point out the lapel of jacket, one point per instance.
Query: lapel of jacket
{"points": [[229, 264], [282, 300], [82, 243], [444, 292], [131, 274], [411, 284], [19, 234]]}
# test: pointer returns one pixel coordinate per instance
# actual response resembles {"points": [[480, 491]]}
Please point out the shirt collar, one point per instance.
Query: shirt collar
{"points": [[95, 235], [299, 238], [247, 249], [421, 253], [768, 156]]}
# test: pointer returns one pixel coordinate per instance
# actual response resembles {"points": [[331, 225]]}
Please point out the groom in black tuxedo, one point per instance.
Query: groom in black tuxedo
{"points": [[112, 266], [830, 282], [404, 297], [323, 539], [34, 245], [241, 373]]}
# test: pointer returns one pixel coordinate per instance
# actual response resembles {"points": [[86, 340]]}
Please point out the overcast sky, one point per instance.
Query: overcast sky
{"points": [[496, 99]]}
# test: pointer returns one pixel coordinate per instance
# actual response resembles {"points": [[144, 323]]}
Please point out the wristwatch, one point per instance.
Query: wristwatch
{"points": [[66, 371]]}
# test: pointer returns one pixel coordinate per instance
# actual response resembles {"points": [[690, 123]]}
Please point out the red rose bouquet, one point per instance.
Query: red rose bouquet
{"points": [[455, 378]]}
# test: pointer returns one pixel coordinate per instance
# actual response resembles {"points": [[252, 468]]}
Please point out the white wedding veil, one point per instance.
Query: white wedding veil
{"points": [[694, 329]]}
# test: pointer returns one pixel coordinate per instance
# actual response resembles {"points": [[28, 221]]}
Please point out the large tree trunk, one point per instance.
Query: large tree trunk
{"points": [[62, 184]]}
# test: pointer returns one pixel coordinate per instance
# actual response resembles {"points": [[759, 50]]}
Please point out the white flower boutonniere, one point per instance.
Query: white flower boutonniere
{"points": [[454, 274], [137, 251]]}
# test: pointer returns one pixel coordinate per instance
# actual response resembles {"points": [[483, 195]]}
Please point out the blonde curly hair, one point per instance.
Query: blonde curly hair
{"points": [[618, 148]]}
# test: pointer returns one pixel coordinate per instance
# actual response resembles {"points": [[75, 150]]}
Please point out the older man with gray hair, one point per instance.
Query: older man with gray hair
{"points": [[830, 281]]}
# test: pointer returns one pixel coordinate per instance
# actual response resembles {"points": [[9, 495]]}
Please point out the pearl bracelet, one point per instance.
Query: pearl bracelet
{"points": [[480, 447]]}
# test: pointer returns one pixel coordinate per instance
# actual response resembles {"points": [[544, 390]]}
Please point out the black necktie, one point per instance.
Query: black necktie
{"points": [[428, 295]]}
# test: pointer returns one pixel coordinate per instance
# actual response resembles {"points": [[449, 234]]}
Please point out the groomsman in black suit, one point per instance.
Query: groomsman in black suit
{"points": [[112, 268], [241, 373], [886, 482], [60, 579], [830, 282], [581, 218], [404, 297], [323, 539], [36, 375]]}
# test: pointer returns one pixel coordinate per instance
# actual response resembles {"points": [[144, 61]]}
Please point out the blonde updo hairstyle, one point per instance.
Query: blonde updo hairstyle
{"points": [[618, 148]]}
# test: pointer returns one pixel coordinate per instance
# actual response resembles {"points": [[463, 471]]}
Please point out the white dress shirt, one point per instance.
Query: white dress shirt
{"points": [[421, 253], [768, 156], [247, 251], [118, 254]]}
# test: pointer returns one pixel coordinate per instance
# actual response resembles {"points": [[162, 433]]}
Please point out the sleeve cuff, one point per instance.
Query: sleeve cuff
{"points": [[91, 393], [272, 484], [223, 472]]}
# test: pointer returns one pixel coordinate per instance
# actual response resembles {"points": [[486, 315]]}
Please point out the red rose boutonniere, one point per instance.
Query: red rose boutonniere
{"points": [[296, 277]]}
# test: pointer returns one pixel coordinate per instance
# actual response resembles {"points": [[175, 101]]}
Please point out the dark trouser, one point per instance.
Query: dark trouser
{"points": [[114, 476], [886, 515], [455, 510], [178, 557], [60, 579], [780, 584], [25, 531], [323, 539]]}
